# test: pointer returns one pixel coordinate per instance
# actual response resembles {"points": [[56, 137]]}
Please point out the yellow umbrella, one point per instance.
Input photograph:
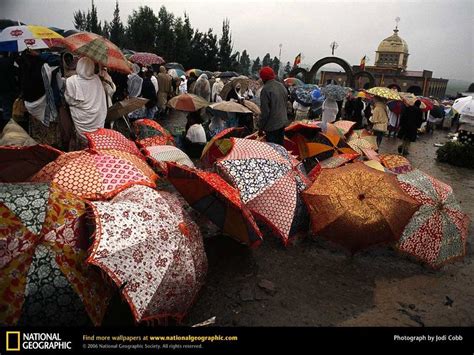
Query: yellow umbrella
{"points": [[385, 93]]}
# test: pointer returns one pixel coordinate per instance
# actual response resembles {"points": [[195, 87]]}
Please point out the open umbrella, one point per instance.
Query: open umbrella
{"points": [[345, 126], [293, 82], [429, 104], [252, 106], [227, 74], [158, 155], [174, 65], [196, 72], [356, 206], [269, 183], [19, 38], [229, 106], [464, 105], [146, 59], [104, 138], [188, 102], [361, 139], [42, 260], [136, 161], [99, 49], [385, 93], [149, 133], [219, 146], [437, 232], [176, 73], [18, 164], [409, 99], [396, 106], [243, 81], [335, 92], [153, 251], [91, 175], [211, 195], [396, 163], [124, 107], [302, 96], [331, 163]]}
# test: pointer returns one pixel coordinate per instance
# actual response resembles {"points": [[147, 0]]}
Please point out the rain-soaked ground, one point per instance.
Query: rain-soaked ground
{"points": [[312, 283]]}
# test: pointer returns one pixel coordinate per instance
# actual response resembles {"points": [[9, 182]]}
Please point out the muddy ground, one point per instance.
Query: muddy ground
{"points": [[313, 283]]}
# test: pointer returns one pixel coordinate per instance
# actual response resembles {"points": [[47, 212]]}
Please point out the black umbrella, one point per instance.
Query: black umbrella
{"points": [[174, 65], [7, 23], [228, 74]]}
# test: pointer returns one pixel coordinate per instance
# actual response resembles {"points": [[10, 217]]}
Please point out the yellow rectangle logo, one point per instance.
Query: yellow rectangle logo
{"points": [[11, 336]]}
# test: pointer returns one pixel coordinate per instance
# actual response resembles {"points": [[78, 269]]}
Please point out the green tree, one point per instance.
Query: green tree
{"points": [[198, 50], [141, 29], [116, 28], [245, 63], [80, 20], [287, 69], [165, 37], [106, 30], [95, 25], [267, 60], [235, 62], [256, 66], [211, 51], [275, 65], [225, 46]]}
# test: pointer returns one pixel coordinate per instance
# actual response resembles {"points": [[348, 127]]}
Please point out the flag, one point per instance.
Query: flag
{"points": [[297, 60], [362, 63]]}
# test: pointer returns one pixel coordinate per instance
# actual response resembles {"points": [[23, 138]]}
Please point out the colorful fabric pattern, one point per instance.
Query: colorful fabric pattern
{"points": [[152, 250], [103, 138], [437, 232], [362, 140], [150, 133], [331, 163], [160, 154], [396, 163], [139, 163]]}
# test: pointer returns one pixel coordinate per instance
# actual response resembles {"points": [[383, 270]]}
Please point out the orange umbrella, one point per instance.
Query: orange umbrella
{"points": [[396, 163], [188, 102], [356, 206]]}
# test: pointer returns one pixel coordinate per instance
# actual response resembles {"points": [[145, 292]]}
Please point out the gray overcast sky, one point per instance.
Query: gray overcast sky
{"points": [[439, 33]]}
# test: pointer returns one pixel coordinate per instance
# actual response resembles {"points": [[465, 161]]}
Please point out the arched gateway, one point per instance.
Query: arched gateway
{"points": [[309, 76]]}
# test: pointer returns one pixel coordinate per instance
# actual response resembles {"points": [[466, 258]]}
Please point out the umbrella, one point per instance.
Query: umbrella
{"points": [[302, 96], [93, 176], [384, 92], [124, 107], [323, 146], [229, 106], [396, 106], [409, 99], [99, 49], [361, 139], [429, 104], [4, 23], [211, 195], [371, 154], [174, 65], [464, 105], [176, 73], [374, 164], [146, 59], [331, 163], [188, 102], [288, 144], [227, 74], [42, 261], [334, 92], [437, 232], [196, 72], [158, 156], [136, 161], [356, 206], [252, 106], [104, 138], [17, 164], [317, 96], [344, 125], [396, 163], [219, 145], [293, 82], [149, 133], [19, 38], [243, 81], [153, 251], [269, 183]]}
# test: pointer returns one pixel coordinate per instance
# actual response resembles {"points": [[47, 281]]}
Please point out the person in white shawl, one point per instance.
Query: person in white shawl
{"points": [[134, 82], [216, 90], [183, 86], [202, 87], [86, 98], [330, 110]]}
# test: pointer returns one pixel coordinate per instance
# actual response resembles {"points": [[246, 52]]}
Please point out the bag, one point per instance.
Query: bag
{"points": [[19, 110]]}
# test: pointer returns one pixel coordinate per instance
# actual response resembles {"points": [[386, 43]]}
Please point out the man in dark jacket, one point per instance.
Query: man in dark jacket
{"points": [[410, 120], [273, 99]]}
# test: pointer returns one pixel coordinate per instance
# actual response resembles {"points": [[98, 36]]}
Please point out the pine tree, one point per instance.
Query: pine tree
{"points": [[141, 29], [211, 51], [256, 66], [287, 69], [95, 25], [225, 46], [80, 21], [116, 28], [106, 30], [199, 54], [267, 60], [245, 63], [275, 65], [165, 36]]}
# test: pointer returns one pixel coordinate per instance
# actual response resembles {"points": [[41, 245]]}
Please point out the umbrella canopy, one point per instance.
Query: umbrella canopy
{"points": [[331, 163], [464, 105], [93, 176], [396, 163], [361, 139], [137, 162], [174, 65], [335, 92], [19, 38], [146, 59], [188, 102], [409, 99], [124, 107], [104, 138], [385, 93], [293, 82], [219, 146], [243, 81], [344, 126], [196, 72], [396, 106], [176, 73], [18, 164], [323, 146], [42, 262], [149, 133], [158, 156], [302, 96], [229, 106], [269, 183], [211, 195], [252, 106], [429, 104], [153, 251], [356, 206], [438, 231], [99, 49], [227, 74], [374, 164]]}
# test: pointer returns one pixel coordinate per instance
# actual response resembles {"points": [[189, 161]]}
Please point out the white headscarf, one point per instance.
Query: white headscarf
{"points": [[84, 72], [183, 86]]}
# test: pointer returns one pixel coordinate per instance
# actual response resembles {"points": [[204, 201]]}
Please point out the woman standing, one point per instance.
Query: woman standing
{"points": [[330, 110], [379, 119]]}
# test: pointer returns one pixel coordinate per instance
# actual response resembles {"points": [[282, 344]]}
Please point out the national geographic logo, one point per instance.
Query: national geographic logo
{"points": [[16, 341]]}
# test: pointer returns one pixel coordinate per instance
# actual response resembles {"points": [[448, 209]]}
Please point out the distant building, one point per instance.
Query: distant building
{"points": [[390, 70]]}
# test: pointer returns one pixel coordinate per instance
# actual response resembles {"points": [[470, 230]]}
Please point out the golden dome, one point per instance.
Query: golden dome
{"points": [[394, 44]]}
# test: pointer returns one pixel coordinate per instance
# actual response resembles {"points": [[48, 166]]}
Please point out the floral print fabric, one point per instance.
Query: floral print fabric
{"points": [[109, 139]]}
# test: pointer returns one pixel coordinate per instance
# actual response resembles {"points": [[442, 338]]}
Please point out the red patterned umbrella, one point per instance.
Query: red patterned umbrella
{"points": [[97, 48], [216, 199], [269, 183], [331, 163], [437, 232], [396, 163], [153, 251], [361, 139], [146, 59], [93, 176], [43, 248], [219, 145], [160, 154], [109, 139], [149, 133], [139, 163], [18, 164]]}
